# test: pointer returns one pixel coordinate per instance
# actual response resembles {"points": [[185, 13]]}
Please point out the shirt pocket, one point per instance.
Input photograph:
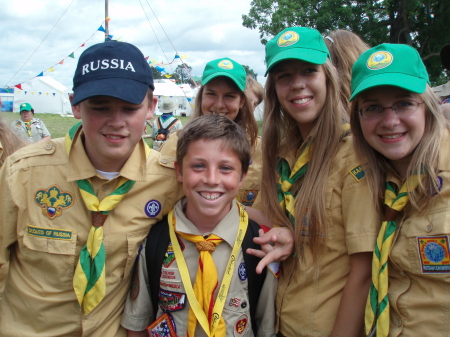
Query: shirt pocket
{"points": [[236, 313], [428, 243], [134, 240], [50, 259]]}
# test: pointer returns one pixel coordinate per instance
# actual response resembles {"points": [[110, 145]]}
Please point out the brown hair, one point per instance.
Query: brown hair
{"points": [[281, 136], [9, 141], [345, 48], [256, 87], [424, 160], [215, 127], [244, 118]]}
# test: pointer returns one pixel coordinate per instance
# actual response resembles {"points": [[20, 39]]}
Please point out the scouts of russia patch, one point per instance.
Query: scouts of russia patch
{"points": [[53, 201], [171, 300], [163, 326], [434, 254]]}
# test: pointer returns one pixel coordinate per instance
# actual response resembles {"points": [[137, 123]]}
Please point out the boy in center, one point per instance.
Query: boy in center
{"points": [[193, 277]]}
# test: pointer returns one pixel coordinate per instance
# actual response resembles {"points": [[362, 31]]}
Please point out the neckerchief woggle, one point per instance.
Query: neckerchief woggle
{"points": [[210, 330], [89, 279], [287, 178], [377, 305]]}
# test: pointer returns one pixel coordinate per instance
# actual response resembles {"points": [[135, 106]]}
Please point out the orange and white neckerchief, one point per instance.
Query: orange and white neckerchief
{"points": [[210, 328]]}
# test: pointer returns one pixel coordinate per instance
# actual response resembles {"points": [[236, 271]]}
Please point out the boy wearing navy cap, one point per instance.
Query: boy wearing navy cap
{"points": [[77, 208]]}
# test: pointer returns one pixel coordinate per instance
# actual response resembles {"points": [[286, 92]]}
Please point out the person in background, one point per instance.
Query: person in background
{"points": [[9, 141], [30, 129], [443, 91], [254, 91], [165, 124], [399, 127], [345, 48]]}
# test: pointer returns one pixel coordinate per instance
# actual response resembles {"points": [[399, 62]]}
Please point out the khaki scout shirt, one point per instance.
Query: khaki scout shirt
{"points": [[419, 264], [252, 183], [44, 224], [308, 305], [38, 130], [139, 312]]}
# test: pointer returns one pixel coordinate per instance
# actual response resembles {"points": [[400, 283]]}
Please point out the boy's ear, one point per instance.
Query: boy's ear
{"points": [[75, 108], [178, 171], [243, 175], [151, 108]]}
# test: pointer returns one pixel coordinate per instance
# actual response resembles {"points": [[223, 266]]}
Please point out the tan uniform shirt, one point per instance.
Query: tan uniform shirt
{"points": [[252, 183], [139, 312], [44, 224], [308, 305], [419, 264], [38, 130]]}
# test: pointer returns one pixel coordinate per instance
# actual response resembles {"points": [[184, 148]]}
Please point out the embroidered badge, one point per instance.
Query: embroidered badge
{"points": [[170, 275], [53, 200], [163, 326], [249, 197], [171, 300], [275, 268], [440, 183], [225, 64], [288, 39], [434, 254], [50, 233], [152, 208], [165, 285], [235, 302], [358, 172], [241, 324], [242, 272], [379, 60], [169, 257]]}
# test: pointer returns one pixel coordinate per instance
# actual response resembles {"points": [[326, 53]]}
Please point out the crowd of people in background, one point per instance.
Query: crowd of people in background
{"points": [[332, 223]]}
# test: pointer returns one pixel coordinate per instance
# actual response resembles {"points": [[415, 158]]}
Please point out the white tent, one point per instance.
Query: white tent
{"points": [[45, 94], [166, 88]]}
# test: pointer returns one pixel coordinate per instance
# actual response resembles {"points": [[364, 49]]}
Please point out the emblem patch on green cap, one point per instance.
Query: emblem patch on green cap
{"points": [[379, 60], [288, 39], [225, 64]]}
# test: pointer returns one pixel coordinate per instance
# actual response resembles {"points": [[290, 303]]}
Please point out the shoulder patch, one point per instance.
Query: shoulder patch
{"points": [[358, 172]]}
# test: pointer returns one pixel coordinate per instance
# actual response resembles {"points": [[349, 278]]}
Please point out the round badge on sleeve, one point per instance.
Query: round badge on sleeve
{"points": [[152, 208]]}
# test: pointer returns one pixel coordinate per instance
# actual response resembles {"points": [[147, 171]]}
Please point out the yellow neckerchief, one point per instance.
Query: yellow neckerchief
{"points": [[28, 128], [377, 305], [226, 281]]}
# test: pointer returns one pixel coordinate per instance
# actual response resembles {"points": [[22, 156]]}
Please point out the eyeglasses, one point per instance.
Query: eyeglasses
{"points": [[401, 109]]}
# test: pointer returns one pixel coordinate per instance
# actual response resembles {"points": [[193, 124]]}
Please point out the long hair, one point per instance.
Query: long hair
{"points": [[281, 136], [9, 141], [424, 160], [345, 47], [244, 118]]}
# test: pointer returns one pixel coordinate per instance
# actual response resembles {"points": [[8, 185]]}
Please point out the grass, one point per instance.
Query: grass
{"points": [[58, 126]]}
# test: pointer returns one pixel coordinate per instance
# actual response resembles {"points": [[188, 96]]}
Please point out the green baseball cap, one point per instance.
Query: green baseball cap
{"points": [[398, 65], [225, 67], [25, 106], [299, 43]]}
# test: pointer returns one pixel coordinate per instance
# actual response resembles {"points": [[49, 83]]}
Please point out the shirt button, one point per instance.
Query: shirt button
{"points": [[164, 161], [429, 228], [105, 188], [244, 305], [48, 147]]}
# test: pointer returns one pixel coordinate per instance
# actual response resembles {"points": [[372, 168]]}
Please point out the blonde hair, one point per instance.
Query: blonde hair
{"points": [[9, 140], [281, 135], [345, 47], [256, 87], [425, 158], [244, 118]]}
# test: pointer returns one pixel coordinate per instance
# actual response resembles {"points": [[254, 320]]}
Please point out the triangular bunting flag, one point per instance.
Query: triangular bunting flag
{"points": [[25, 92], [41, 74], [147, 58], [177, 56], [61, 62], [82, 45], [160, 69], [101, 29], [19, 86], [51, 69], [40, 93], [71, 55], [54, 94], [46, 93], [168, 76]]}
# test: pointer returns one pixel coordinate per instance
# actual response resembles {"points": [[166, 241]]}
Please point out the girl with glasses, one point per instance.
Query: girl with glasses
{"points": [[399, 128]]}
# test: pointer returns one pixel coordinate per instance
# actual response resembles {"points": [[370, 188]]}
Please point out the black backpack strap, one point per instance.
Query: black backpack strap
{"points": [[157, 241], [158, 122], [255, 281]]}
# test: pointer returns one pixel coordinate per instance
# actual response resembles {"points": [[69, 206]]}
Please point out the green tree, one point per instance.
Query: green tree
{"points": [[419, 23], [156, 74], [250, 72], [182, 74]]}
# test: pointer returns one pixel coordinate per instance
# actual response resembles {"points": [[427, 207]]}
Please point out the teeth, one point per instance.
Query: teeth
{"points": [[301, 101], [392, 137], [114, 137], [210, 196]]}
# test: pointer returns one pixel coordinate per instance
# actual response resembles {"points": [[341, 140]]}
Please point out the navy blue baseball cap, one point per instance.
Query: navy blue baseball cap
{"points": [[112, 68]]}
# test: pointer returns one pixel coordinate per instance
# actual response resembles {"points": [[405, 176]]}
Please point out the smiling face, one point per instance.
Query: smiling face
{"points": [[26, 115], [220, 96], [112, 128], [301, 90], [211, 177], [395, 138]]}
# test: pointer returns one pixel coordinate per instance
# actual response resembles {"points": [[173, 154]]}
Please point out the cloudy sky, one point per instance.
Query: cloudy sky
{"points": [[37, 34]]}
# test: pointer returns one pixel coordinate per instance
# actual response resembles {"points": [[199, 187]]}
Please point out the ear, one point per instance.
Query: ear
{"points": [[178, 171], [75, 108], [151, 108]]}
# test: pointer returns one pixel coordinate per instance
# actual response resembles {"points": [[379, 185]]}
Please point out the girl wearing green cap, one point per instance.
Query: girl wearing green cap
{"points": [[399, 128], [314, 184]]}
